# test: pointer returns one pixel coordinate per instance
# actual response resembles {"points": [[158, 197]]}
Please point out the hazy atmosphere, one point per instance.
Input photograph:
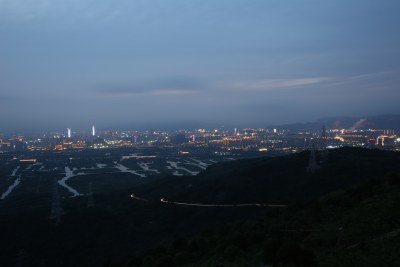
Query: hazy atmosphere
{"points": [[247, 62], [193, 133]]}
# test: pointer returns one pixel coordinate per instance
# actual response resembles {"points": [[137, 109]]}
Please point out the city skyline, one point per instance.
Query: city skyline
{"points": [[382, 121], [239, 63]]}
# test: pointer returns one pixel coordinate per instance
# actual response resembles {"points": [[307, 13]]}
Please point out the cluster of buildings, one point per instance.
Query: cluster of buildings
{"points": [[248, 139]]}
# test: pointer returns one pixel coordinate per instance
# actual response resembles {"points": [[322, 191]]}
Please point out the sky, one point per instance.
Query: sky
{"points": [[74, 63]]}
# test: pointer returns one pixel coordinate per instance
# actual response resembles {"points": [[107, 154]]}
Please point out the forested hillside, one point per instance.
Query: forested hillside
{"points": [[344, 214]]}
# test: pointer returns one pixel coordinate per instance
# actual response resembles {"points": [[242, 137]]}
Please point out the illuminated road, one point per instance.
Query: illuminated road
{"points": [[122, 168], [14, 185], [63, 182], [11, 187], [14, 171], [200, 163], [174, 165], [145, 166], [162, 200]]}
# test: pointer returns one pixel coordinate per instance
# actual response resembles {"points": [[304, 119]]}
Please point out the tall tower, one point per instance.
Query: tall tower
{"points": [[69, 132], [93, 131]]}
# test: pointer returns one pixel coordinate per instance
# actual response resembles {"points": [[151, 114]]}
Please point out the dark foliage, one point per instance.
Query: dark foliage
{"points": [[346, 214]]}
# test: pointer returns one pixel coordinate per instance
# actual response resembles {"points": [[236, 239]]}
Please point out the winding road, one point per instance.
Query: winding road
{"points": [[162, 200]]}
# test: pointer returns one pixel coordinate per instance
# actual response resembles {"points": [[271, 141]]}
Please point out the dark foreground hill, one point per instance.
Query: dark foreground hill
{"points": [[344, 214], [357, 226]]}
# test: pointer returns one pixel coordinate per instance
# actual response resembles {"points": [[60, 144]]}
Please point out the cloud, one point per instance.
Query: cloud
{"points": [[169, 86], [272, 84]]}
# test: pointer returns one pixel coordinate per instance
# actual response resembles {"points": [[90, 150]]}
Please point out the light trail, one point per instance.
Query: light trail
{"points": [[221, 205], [162, 200], [138, 198]]}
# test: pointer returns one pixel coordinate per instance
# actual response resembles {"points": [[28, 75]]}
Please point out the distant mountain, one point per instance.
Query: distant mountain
{"points": [[383, 122]]}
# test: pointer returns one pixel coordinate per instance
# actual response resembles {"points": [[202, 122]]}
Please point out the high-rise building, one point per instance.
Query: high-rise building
{"points": [[93, 131], [69, 132]]}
